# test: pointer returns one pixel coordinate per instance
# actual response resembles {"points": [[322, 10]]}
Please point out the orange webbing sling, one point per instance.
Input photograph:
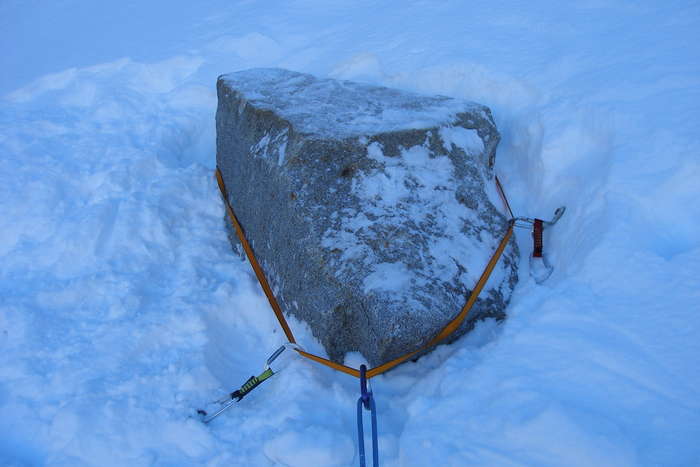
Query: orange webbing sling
{"points": [[444, 333]]}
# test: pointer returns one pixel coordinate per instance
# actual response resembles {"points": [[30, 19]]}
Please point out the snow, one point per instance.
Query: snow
{"points": [[389, 277], [279, 140], [417, 190], [330, 108], [122, 306], [463, 138]]}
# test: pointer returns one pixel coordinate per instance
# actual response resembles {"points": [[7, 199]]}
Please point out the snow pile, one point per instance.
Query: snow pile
{"points": [[122, 308]]}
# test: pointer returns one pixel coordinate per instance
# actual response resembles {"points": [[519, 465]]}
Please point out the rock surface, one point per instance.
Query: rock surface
{"points": [[367, 207]]}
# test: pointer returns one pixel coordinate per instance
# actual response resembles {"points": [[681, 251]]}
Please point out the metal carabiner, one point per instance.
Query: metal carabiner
{"points": [[527, 222], [280, 363], [540, 267], [221, 405]]}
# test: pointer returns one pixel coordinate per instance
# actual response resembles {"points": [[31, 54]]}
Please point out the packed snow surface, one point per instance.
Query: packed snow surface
{"points": [[122, 307]]}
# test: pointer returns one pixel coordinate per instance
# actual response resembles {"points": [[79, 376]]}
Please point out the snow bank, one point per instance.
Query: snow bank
{"points": [[121, 307]]}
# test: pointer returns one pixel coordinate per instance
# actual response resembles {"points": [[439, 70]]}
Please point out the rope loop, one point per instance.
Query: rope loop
{"points": [[366, 400]]}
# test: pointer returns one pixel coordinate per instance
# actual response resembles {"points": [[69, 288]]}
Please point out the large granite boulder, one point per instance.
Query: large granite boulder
{"points": [[370, 209]]}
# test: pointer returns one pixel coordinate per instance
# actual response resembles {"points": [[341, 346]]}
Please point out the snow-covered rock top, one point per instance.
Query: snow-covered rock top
{"points": [[338, 109]]}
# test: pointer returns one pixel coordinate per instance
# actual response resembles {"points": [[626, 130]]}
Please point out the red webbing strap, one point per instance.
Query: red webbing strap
{"points": [[445, 332], [537, 230]]}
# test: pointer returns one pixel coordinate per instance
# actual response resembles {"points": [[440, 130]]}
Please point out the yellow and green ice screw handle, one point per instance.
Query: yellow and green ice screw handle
{"points": [[252, 383]]}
